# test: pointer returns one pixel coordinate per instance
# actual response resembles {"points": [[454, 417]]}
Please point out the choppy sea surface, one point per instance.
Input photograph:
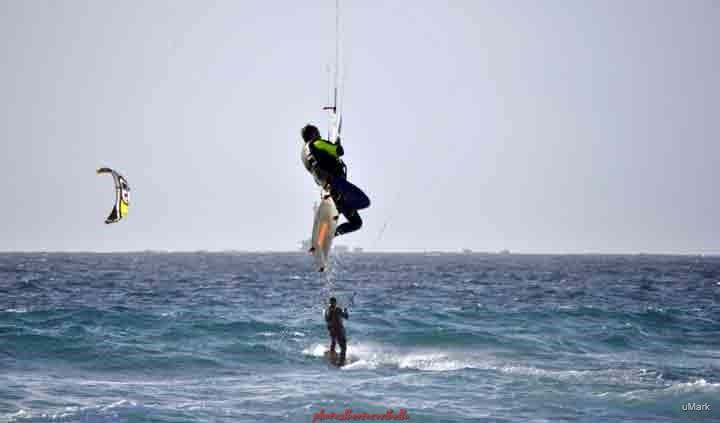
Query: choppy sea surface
{"points": [[447, 338]]}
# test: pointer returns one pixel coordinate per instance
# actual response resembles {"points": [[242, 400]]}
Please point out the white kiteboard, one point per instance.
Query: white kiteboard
{"points": [[326, 217]]}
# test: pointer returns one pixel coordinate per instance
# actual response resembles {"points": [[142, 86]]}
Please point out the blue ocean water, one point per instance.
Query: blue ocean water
{"points": [[447, 338]]}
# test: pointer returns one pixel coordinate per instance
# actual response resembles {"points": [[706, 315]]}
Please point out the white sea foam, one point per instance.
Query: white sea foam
{"points": [[316, 350], [698, 385], [122, 404], [370, 356], [93, 413]]}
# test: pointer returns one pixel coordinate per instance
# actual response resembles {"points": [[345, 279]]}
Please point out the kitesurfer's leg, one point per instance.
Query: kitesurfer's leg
{"points": [[343, 347], [354, 222], [338, 202], [333, 338]]}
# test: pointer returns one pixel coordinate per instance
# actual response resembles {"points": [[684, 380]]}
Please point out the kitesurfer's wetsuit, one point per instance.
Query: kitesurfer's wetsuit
{"points": [[327, 157], [333, 317], [328, 165]]}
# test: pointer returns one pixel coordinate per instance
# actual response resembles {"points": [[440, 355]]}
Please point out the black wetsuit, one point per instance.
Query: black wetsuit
{"points": [[330, 164], [333, 318], [354, 221]]}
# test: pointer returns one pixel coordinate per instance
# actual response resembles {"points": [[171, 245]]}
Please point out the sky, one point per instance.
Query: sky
{"points": [[532, 126]]}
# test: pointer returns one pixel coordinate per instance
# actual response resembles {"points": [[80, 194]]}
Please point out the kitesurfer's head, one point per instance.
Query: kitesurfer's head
{"points": [[310, 133], [333, 301]]}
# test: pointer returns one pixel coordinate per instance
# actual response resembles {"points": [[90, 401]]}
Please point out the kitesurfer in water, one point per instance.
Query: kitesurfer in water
{"points": [[333, 318], [325, 164]]}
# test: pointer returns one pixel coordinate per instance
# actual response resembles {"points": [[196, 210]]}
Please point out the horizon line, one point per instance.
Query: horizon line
{"points": [[351, 252]]}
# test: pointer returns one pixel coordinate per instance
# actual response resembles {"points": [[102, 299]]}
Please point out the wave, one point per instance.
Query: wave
{"points": [[696, 389], [121, 410], [373, 356]]}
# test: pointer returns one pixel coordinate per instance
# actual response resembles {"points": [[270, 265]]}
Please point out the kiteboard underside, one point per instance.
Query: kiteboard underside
{"points": [[326, 217]]}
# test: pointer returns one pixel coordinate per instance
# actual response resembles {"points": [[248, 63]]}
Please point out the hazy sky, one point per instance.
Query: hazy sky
{"points": [[536, 126]]}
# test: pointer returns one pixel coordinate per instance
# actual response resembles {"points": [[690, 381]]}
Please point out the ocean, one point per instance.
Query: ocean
{"points": [[236, 337]]}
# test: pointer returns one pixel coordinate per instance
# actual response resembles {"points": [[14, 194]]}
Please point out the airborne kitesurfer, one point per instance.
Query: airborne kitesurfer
{"points": [[325, 164]]}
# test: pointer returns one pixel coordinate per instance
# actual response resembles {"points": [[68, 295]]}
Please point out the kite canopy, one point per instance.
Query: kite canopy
{"points": [[122, 196]]}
